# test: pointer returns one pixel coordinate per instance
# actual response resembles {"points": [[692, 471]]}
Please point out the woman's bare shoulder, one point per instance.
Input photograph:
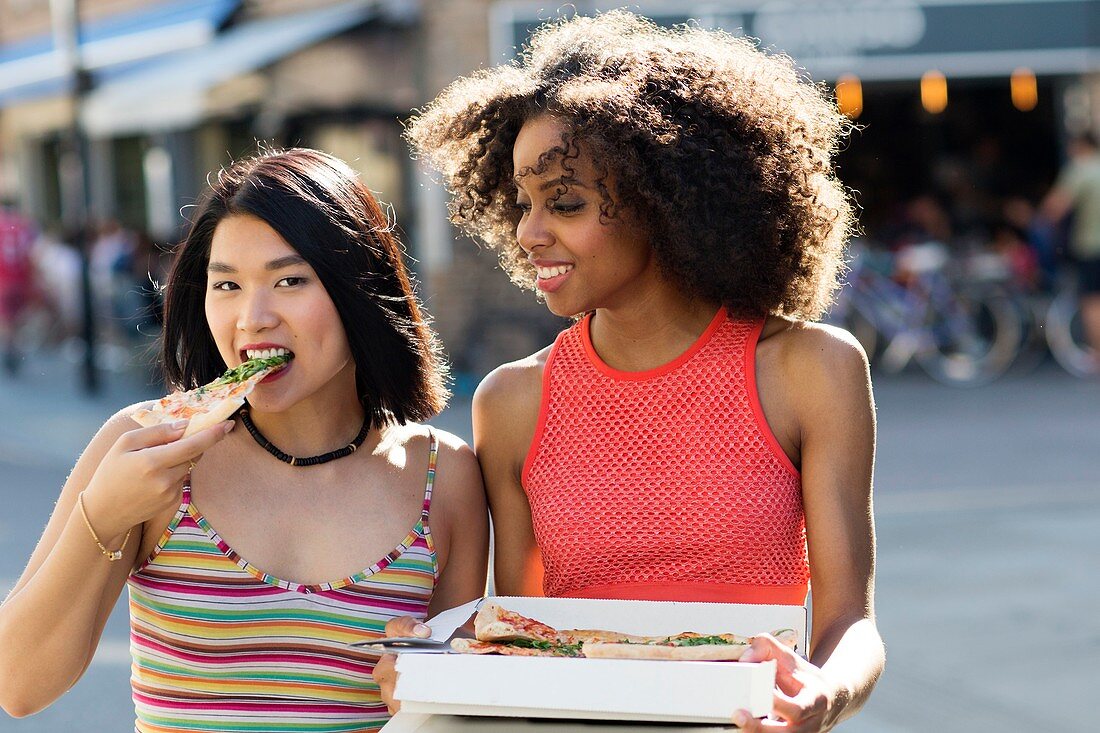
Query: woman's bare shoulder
{"points": [[516, 383], [823, 370], [414, 438], [806, 346]]}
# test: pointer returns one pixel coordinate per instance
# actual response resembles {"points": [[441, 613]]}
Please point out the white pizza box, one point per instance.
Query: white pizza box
{"points": [[603, 689], [419, 723]]}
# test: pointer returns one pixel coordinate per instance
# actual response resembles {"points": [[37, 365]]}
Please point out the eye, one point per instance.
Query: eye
{"points": [[523, 206], [224, 285], [291, 282], [567, 207]]}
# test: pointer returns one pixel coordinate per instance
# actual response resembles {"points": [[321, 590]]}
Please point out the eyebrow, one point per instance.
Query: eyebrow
{"points": [[551, 183], [277, 264]]}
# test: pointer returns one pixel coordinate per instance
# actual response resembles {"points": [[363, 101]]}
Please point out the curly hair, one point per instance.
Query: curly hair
{"points": [[722, 152]]}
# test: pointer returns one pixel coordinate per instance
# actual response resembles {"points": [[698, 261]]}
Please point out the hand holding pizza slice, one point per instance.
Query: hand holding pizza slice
{"points": [[211, 403]]}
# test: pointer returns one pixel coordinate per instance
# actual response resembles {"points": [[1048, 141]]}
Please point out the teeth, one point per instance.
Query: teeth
{"points": [[545, 273], [265, 353]]}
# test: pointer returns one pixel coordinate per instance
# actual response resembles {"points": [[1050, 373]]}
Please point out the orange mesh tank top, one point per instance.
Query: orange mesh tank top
{"points": [[665, 484]]}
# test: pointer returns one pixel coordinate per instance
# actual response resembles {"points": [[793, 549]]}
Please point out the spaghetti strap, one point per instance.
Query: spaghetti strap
{"points": [[433, 452]]}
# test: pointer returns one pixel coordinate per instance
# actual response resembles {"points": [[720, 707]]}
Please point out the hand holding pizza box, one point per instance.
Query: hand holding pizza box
{"points": [[622, 666]]}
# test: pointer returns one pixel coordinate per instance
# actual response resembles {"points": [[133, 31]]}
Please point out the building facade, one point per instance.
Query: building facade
{"points": [[177, 89]]}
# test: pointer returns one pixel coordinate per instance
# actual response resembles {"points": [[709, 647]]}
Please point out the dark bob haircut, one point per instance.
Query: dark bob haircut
{"points": [[722, 153], [319, 206]]}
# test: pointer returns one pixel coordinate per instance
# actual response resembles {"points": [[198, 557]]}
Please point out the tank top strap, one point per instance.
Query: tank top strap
{"points": [[433, 453]]}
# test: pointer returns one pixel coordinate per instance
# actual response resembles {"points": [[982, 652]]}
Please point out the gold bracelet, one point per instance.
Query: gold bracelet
{"points": [[111, 555]]}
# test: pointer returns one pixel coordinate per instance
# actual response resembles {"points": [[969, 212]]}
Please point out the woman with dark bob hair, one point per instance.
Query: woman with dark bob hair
{"points": [[261, 554], [694, 436]]}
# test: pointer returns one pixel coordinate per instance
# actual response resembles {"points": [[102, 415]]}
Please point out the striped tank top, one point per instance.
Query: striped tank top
{"points": [[220, 646], [664, 484]]}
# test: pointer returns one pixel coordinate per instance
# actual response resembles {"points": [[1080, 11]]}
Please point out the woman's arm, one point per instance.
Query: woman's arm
{"points": [[829, 386], [460, 521], [53, 618], [505, 413], [464, 579]]}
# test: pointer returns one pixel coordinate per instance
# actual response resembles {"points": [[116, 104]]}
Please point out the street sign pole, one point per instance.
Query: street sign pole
{"points": [[66, 31]]}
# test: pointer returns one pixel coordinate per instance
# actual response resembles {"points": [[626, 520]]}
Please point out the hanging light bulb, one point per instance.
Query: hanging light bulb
{"points": [[1025, 90], [849, 95], [933, 92]]}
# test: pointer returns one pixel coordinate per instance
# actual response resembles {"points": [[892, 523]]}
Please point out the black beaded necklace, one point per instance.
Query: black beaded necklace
{"points": [[312, 460]]}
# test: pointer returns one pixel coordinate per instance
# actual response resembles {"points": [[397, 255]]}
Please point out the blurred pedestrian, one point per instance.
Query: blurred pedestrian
{"points": [[57, 264], [1038, 234], [253, 567], [112, 277], [1077, 191], [17, 286], [673, 191]]}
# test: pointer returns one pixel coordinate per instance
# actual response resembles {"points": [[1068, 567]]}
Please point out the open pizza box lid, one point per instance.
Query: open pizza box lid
{"points": [[601, 689]]}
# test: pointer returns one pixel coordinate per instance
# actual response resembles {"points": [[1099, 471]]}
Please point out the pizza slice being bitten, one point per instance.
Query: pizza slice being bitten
{"points": [[211, 403]]}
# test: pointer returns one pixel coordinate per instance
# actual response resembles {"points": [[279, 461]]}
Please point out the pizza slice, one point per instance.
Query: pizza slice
{"points": [[516, 648], [496, 623], [580, 636], [688, 646], [211, 403]]}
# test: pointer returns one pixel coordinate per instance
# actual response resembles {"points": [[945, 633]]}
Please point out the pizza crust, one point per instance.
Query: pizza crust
{"points": [[578, 636], [473, 646], [222, 410], [202, 407], [701, 653], [495, 623]]}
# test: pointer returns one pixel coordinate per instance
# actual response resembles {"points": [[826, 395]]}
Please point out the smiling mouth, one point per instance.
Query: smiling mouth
{"points": [[545, 273]]}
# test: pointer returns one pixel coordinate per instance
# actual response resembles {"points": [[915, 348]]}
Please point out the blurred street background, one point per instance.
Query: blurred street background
{"points": [[961, 287]]}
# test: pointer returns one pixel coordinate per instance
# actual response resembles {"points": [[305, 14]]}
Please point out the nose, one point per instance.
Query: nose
{"points": [[532, 232], [256, 313]]}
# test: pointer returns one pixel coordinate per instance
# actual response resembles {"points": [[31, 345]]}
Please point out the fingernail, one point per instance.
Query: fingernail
{"points": [[179, 424], [740, 718], [422, 630], [230, 425]]}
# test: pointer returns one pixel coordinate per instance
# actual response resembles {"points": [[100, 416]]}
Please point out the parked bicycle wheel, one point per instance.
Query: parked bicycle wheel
{"points": [[974, 337], [1066, 338]]}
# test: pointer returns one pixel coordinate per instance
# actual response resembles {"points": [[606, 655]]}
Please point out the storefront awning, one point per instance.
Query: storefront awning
{"points": [[170, 93], [33, 68], [876, 39]]}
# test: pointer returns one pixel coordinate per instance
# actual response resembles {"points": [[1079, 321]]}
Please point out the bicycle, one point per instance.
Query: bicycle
{"points": [[1064, 332], [909, 308]]}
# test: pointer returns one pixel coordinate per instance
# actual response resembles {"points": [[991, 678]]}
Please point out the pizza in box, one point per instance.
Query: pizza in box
{"points": [[498, 630]]}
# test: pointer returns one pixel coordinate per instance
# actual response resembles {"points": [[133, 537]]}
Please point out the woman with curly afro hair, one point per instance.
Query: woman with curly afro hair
{"points": [[694, 436]]}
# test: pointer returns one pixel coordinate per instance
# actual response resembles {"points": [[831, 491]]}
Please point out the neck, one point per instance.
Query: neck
{"points": [[303, 431], [649, 333]]}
